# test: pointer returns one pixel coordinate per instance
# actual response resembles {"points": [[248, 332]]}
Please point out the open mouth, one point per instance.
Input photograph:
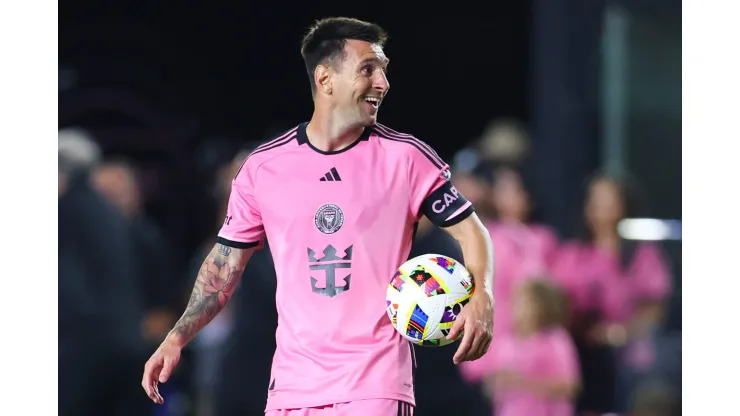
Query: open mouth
{"points": [[373, 101]]}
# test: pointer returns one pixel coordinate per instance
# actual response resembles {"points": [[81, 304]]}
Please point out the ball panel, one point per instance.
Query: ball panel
{"points": [[417, 323], [425, 296]]}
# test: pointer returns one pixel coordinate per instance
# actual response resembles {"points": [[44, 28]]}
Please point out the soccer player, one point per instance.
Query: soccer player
{"points": [[338, 198]]}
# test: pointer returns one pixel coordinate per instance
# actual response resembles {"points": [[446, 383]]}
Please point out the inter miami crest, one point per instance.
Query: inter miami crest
{"points": [[329, 218]]}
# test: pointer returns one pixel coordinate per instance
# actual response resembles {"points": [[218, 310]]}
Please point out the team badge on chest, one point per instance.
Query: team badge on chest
{"points": [[329, 218]]}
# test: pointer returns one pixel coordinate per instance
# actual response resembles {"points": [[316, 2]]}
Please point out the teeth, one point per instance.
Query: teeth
{"points": [[372, 99]]}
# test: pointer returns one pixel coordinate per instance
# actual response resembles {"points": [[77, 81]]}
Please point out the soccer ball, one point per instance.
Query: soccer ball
{"points": [[425, 296]]}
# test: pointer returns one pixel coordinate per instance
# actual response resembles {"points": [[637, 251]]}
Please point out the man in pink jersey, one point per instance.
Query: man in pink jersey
{"points": [[338, 198]]}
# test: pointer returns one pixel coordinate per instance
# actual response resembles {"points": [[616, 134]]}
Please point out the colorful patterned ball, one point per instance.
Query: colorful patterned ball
{"points": [[425, 296]]}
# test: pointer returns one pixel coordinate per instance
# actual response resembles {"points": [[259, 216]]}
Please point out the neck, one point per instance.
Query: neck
{"points": [[605, 237], [328, 133]]}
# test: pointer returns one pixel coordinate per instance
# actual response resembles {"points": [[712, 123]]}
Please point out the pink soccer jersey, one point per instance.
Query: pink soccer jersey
{"points": [[339, 225]]}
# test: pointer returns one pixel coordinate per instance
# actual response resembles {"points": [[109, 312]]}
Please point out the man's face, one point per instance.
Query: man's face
{"points": [[359, 83]]}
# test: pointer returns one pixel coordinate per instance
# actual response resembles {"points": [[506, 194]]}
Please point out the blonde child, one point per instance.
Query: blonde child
{"points": [[535, 371]]}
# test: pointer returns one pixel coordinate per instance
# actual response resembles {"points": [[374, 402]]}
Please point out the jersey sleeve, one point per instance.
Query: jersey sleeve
{"points": [[432, 192], [242, 227]]}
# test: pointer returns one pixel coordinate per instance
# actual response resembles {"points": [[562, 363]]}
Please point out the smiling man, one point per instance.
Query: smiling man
{"points": [[338, 198]]}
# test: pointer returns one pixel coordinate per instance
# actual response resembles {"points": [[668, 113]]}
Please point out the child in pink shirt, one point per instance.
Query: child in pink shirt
{"points": [[534, 370]]}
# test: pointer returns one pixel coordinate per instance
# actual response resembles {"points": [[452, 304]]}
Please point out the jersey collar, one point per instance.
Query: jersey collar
{"points": [[303, 139]]}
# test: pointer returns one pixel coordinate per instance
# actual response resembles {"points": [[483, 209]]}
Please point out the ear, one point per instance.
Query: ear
{"points": [[322, 78]]}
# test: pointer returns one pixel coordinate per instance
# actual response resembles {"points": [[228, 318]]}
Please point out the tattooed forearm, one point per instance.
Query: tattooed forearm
{"points": [[224, 250], [214, 286]]}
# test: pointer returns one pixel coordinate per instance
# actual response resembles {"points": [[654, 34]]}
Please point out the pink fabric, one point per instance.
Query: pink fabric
{"points": [[380, 407], [335, 347], [548, 356], [521, 252], [594, 279]]}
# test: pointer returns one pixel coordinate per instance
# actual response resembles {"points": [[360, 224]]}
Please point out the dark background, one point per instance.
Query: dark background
{"points": [[163, 81], [180, 87]]}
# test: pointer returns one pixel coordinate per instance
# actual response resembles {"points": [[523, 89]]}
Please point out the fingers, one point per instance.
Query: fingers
{"points": [[149, 380], [483, 347], [475, 343], [158, 397], [457, 327], [169, 365], [464, 349], [486, 346]]}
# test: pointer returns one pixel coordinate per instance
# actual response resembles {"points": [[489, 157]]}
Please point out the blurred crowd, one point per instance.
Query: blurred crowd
{"points": [[579, 324]]}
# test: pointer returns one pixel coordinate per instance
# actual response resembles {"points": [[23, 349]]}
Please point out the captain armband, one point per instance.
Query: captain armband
{"points": [[446, 207]]}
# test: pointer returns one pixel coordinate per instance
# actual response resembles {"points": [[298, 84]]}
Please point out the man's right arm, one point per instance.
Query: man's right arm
{"points": [[215, 284], [241, 234]]}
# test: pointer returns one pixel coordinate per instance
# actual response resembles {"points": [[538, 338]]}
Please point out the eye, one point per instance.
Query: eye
{"points": [[367, 70]]}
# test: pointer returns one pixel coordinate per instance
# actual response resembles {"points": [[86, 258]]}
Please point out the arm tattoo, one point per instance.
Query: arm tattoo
{"points": [[214, 286]]}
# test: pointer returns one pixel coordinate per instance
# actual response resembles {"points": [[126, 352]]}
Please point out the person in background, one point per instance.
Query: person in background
{"points": [[243, 375], [617, 290], [472, 176], [523, 251], [535, 369], [210, 346], [505, 141], [118, 181], [100, 311]]}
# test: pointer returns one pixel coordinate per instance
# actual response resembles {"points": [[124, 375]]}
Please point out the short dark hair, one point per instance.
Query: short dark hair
{"points": [[324, 42]]}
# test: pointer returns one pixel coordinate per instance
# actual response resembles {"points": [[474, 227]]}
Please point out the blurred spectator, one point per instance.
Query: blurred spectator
{"points": [[439, 389], [617, 290], [209, 346], [472, 177], [101, 350], [535, 370], [243, 373], [118, 181], [523, 249], [505, 142]]}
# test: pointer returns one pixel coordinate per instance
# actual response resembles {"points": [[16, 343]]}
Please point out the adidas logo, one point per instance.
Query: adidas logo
{"points": [[331, 176]]}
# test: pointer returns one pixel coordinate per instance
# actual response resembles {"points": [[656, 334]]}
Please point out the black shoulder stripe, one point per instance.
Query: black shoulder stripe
{"points": [[275, 140], [238, 171], [280, 141], [390, 131], [436, 162]]}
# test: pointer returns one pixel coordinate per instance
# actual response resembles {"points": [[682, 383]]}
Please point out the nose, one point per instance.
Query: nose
{"points": [[380, 83]]}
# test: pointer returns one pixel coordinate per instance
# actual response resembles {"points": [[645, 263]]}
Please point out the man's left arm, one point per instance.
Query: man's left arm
{"points": [[434, 196], [476, 318]]}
